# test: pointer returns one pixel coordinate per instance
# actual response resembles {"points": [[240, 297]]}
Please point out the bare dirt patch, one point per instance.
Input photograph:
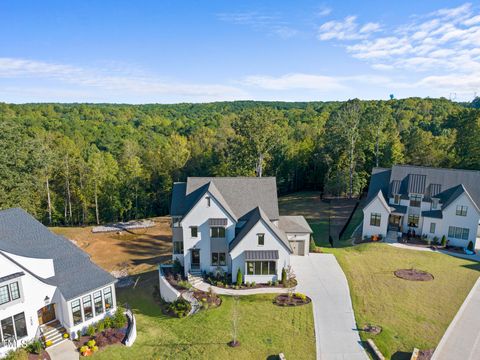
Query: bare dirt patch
{"points": [[134, 251], [413, 275]]}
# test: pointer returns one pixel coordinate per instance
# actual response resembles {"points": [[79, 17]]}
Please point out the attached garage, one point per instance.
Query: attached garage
{"points": [[298, 233], [298, 247]]}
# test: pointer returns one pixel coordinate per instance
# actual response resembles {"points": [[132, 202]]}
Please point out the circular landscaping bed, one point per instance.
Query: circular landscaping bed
{"points": [[295, 299], [413, 275], [372, 329]]}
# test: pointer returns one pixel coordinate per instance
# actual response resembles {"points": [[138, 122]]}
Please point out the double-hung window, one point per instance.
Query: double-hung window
{"points": [[219, 259], [461, 210], [4, 294], [98, 302], [9, 293], [375, 219], [107, 295], [76, 312], [217, 232], [415, 200], [87, 307], [261, 239], [458, 232]]}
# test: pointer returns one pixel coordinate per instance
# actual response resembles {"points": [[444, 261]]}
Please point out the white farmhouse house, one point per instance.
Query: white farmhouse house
{"points": [[233, 223], [426, 201], [48, 286]]}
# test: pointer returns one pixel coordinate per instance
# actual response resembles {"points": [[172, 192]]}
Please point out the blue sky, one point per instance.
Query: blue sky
{"points": [[195, 51]]}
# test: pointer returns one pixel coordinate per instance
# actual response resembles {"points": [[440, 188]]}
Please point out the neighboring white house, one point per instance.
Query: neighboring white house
{"points": [[426, 201], [48, 286], [233, 223]]}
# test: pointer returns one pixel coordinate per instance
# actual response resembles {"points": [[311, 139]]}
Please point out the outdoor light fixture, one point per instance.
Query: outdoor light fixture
{"points": [[46, 300]]}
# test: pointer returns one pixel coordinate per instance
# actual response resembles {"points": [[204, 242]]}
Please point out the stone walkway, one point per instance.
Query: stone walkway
{"points": [[462, 338], [63, 351], [203, 286]]}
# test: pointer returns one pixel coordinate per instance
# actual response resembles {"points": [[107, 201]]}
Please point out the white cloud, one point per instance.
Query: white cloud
{"points": [[323, 11], [346, 29], [112, 81]]}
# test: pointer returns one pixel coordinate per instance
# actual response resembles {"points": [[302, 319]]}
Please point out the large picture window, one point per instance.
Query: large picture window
{"points": [[13, 328], [98, 303], [219, 259], [461, 210], [107, 295], [375, 219], [217, 232], [458, 232], [7, 329], [415, 200], [261, 268], [76, 312]]}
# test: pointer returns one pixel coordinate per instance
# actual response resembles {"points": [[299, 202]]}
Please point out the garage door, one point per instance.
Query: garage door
{"points": [[298, 247]]}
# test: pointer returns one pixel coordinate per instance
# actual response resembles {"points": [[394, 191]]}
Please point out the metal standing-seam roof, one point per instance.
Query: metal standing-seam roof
{"points": [[75, 273], [261, 254]]}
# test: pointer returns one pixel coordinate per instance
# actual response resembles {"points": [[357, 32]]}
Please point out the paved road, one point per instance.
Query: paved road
{"points": [[322, 279], [462, 338]]}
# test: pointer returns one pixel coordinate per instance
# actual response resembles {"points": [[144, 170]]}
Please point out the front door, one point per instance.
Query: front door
{"points": [[395, 223], [46, 314], [195, 258]]}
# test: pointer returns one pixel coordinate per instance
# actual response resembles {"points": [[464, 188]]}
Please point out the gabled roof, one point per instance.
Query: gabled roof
{"points": [[452, 194], [294, 224], [253, 217], [380, 196], [239, 194], [75, 273]]}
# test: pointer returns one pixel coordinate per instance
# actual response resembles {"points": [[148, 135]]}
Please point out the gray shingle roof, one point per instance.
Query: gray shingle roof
{"points": [[294, 224], [253, 217], [399, 209], [240, 194], [438, 182], [75, 274]]}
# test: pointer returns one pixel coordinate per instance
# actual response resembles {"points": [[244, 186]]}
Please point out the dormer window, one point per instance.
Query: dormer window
{"points": [[415, 200], [208, 201], [434, 204], [396, 199]]}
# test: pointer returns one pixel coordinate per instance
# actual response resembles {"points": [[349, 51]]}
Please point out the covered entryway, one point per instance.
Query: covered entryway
{"points": [[46, 314], [195, 264], [395, 223], [298, 247]]}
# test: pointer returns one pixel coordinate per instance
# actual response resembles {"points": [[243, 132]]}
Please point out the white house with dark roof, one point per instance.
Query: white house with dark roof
{"points": [[426, 201], [48, 286], [233, 223]]}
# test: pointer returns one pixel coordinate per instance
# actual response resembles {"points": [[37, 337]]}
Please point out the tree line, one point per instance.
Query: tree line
{"points": [[71, 164]]}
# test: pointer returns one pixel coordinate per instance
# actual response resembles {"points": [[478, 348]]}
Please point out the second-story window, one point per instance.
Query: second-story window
{"points": [[434, 204], [396, 199], [9, 293], [261, 239], [217, 232], [208, 201], [415, 200], [461, 210], [194, 231]]}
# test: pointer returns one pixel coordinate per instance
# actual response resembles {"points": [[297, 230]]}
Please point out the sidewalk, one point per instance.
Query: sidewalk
{"points": [[203, 286]]}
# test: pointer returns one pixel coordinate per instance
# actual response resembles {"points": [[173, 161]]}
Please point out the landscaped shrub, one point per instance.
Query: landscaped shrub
{"points": [[79, 334], [91, 343], [101, 326], [180, 307], [119, 319], [470, 246], [184, 284], [275, 283], [48, 343], [435, 240], [177, 267], [444, 240], [284, 277], [35, 347], [239, 277], [91, 330], [219, 284], [254, 283], [108, 322]]}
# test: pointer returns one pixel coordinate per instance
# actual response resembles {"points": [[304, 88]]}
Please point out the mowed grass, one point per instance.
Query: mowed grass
{"points": [[411, 314], [264, 330]]}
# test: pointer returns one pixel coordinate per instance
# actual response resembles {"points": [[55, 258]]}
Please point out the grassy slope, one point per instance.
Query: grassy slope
{"points": [[412, 314], [264, 330]]}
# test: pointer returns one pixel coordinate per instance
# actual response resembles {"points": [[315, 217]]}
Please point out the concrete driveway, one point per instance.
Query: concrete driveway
{"points": [[462, 338], [322, 279]]}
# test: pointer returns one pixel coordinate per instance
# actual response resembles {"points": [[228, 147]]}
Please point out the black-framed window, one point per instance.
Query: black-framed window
{"points": [[98, 302], [458, 232], [178, 247], [194, 231], [461, 210], [107, 295], [261, 239], [375, 219], [413, 220], [217, 232], [87, 307], [76, 312], [208, 201], [20, 325], [8, 330], [14, 291], [396, 199], [432, 228], [415, 200], [261, 267], [4, 295], [219, 259]]}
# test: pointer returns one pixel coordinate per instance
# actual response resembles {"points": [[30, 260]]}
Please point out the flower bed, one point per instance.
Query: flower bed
{"points": [[293, 299], [207, 299], [413, 275]]}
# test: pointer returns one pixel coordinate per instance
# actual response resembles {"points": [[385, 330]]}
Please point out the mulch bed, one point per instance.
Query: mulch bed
{"points": [[372, 329], [43, 356], [294, 300], [257, 286], [425, 354], [205, 297], [413, 275]]}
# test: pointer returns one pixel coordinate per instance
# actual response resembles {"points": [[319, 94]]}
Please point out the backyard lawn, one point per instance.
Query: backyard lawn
{"points": [[264, 330]]}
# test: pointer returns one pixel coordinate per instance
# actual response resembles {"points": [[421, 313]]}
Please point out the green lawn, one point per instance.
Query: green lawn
{"points": [[412, 314], [264, 330]]}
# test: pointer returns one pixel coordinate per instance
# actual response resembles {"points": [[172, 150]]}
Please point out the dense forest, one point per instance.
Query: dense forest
{"points": [[92, 163]]}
